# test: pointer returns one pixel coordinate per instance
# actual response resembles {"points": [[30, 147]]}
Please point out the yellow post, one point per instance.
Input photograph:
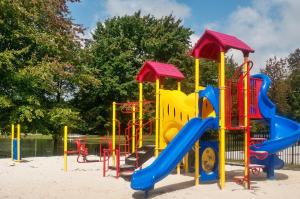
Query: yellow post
{"points": [[178, 168], [179, 86], [114, 132], [246, 171], [197, 65], [133, 128], [12, 140], [140, 114], [65, 148], [156, 116], [222, 120], [19, 141], [161, 119], [178, 165], [186, 163]]}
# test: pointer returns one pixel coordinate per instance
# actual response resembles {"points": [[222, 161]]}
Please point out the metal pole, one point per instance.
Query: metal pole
{"points": [[246, 123], [114, 133], [140, 114], [19, 141], [197, 65], [178, 165], [12, 140], [179, 86], [156, 116], [133, 129], [65, 148], [222, 120]]}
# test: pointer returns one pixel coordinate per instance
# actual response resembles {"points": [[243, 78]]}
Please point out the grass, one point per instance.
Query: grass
{"points": [[37, 136], [31, 136], [94, 139]]}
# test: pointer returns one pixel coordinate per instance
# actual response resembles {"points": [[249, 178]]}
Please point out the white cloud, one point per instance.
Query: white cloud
{"points": [[271, 28], [194, 38], [211, 25], [158, 8]]}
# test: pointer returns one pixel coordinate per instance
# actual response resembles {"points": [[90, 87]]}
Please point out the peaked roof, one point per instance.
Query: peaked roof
{"points": [[152, 70], [212, 42]]}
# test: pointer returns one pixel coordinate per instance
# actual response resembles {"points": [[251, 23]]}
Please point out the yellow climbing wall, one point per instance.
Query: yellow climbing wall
{"points": [[176, 109]]}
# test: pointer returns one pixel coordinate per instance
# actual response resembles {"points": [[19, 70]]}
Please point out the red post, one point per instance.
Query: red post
{"points": [[118, 163], [104, 163], [100, 151]]}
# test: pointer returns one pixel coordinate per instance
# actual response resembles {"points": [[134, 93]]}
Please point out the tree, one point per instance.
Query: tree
{"points": [[294, 80], [118, 49], [279, 91], [40, 68]]}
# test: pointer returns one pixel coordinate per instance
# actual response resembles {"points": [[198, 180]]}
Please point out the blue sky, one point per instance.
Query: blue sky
{"points": [[270, 27], [199, 14]]}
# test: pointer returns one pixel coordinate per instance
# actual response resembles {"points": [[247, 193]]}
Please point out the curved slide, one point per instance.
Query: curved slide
{"points": [[283, 132], [168, 159]]}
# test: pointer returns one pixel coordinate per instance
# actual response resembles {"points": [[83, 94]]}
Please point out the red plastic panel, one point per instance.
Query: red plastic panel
{"points": [[255, 85]]}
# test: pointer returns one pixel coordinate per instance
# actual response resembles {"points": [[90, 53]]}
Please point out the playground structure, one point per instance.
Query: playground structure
{"points": [[127, 140], [181, 120], [82, 149], [16, 154]]}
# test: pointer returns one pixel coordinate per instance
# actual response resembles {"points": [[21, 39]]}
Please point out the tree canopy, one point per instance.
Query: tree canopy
{"points": [[285, 76], [40, 65], [118, 49], [48, 78]]}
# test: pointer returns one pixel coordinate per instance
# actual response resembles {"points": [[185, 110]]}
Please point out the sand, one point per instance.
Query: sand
{"points": [[43, 177]]}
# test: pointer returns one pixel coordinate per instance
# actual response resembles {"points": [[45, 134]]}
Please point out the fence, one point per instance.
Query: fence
{"points": [[235, 146]]}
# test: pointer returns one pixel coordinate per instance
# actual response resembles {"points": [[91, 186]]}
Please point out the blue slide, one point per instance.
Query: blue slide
{"points": [[168, 159], [283, 132]]}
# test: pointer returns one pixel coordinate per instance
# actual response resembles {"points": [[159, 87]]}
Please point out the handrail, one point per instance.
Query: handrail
{"points": [[238, 69], [150, 122]]}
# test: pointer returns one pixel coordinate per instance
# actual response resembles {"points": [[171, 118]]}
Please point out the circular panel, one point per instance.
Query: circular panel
{"points": [[208, 159]]}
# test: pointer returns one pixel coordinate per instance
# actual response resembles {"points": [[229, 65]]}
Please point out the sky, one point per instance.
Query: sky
{"points": [[271, 27]]}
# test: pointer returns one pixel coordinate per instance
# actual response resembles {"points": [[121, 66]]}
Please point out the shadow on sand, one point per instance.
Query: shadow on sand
{"points": [[163, 190], [229, 178]]}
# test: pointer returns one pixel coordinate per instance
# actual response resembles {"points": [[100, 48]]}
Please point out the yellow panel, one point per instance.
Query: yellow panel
{"points": [[177, 108], [207, 109]]}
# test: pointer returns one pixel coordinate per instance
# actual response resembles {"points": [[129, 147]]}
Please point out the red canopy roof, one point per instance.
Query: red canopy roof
{"points": [[212, 43], [151, 70]]}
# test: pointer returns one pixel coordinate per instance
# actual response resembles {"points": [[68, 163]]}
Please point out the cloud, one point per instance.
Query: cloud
{"points": [[270, 27], [211, 25], [194, 38], [158, 8]]}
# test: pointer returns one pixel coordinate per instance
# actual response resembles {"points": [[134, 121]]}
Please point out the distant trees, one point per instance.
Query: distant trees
{"points": [[118, 49], [293, 61], [40, 68], [285, 76], [48, 79]]}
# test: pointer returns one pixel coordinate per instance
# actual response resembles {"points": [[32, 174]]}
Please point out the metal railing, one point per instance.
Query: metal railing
{"points": [[235, 143]]}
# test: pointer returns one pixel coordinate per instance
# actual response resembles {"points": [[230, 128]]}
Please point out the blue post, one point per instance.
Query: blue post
{"points": [[271, 167], [15, 150]]}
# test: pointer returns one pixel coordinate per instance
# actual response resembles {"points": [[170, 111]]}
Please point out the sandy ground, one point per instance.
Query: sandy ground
{"points": [[43, 177]]}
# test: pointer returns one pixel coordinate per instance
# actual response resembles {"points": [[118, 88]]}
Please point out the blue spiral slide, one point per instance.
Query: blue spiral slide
{"points": [[283, 132]]}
